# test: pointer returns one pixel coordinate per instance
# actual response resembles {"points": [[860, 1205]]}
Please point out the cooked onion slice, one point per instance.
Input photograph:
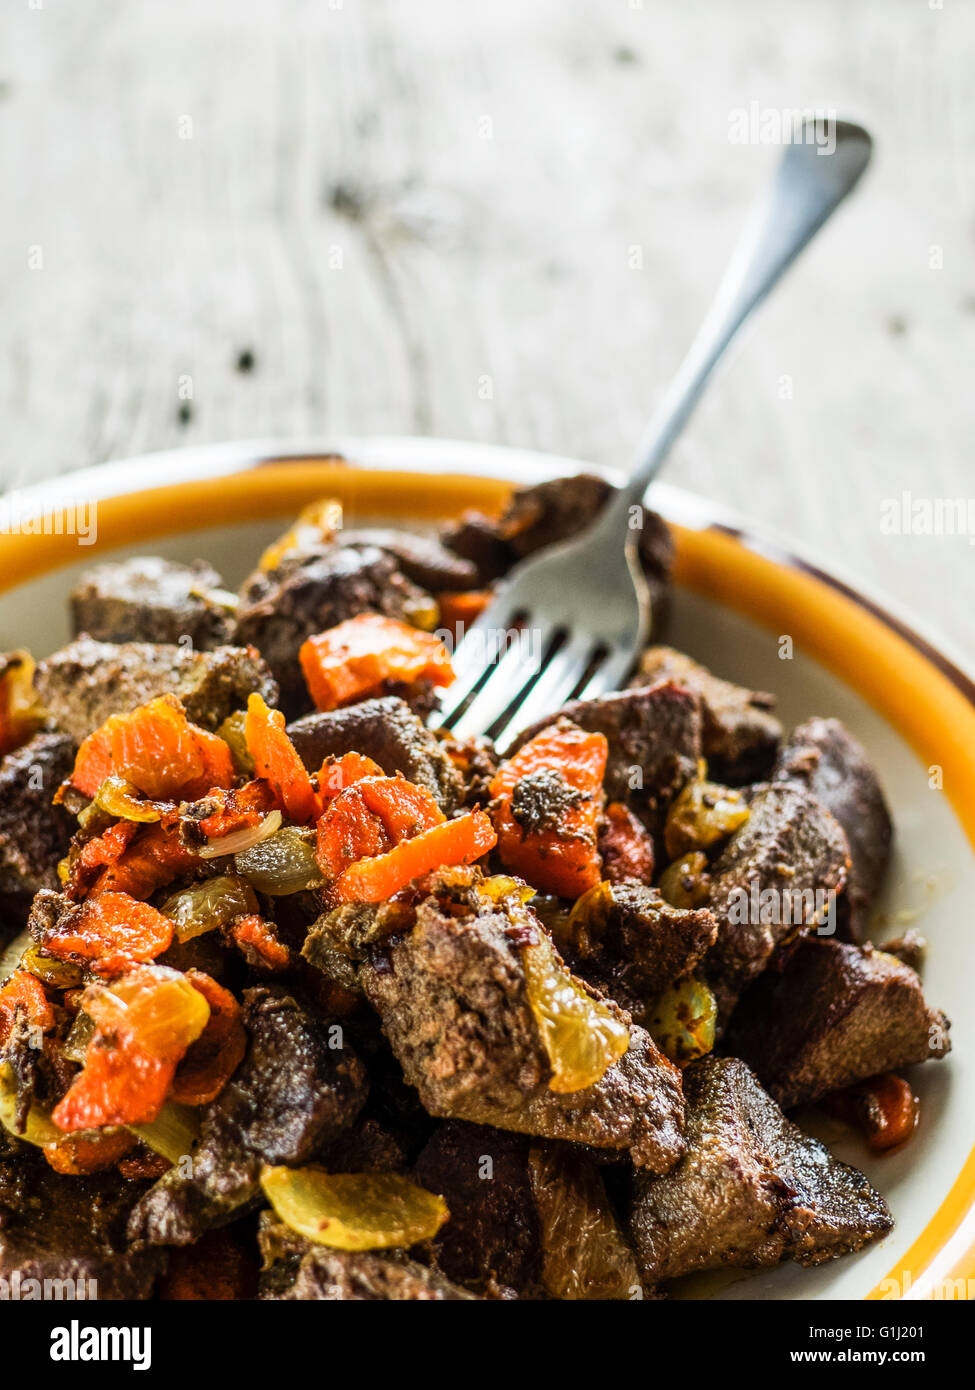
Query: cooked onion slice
{"points": [[353, 1211], [240, 840], [284, 863], [582, 1035]]}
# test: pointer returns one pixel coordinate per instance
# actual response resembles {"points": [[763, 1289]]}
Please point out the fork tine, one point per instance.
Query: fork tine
{"points": [[552, 689], [608, 675], [471, 661], [512, 673]]}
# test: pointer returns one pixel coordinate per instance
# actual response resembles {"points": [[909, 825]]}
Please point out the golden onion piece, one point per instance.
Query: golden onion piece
{"points": [[232, 733], [173, 1132], [682, 1020], [703, 814], [686, 883], [582, 1035], [282, 864], [38, 1129], [205, 906], [353, 1211], [61, 974], [121, 799], [240, 840]]}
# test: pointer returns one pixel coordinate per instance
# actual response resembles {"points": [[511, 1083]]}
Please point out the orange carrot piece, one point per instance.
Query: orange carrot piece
{"points": [[884, 1109], [459, 609], [335, 774], [355, 658], [77, 1154], [259, 943], [369, 817], [547, 802], [625, 845], [110, 933], [153, 858], [144, 1023], [158, 750], [457, 841], [276, 760], [237, 809], [24, 992], [209, 1063]]}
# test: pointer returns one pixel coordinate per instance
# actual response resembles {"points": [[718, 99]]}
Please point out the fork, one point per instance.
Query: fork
{"points": [[571, 621]]}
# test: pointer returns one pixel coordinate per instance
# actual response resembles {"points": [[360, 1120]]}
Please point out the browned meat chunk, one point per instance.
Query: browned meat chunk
{"points": [[70, 1230], [86, 681], [421, 558], [752, 1189], [292, 1095], [836, 1014], [654, 736], [390, 733], [631, 943], [493, 1236], [297, 1270], [778, 874], [545, 514], [147, 599], [312, 591], [453, 998], [823, 756], [34, 834], [740, 735]]}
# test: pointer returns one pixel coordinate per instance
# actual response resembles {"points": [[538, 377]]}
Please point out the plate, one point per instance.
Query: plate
{"points": [[746, 606]]}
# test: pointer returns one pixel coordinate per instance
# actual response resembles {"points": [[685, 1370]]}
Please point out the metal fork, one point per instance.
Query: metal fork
{"points": [[572, 620]]}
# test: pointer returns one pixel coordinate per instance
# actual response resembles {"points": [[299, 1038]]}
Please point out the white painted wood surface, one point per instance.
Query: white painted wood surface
{"points": [[421, 216]]}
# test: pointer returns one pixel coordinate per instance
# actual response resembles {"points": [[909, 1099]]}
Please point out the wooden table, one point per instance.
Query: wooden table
{"points": [[498, 220]]}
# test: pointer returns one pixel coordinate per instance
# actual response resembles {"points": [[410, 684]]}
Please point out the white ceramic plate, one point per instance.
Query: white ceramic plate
{"points": [[911, 705]]}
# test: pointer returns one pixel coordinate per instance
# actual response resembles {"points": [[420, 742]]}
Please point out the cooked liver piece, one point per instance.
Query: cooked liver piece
{"points": [[493, 1233], [387, 731], [364, 1276], [86, 681], [452, 997], [292, 1095], [421, 558], [740, 734], [752, 1189], [147, 599], [59, 1228], [836, 1014], [638, 943], [34, 835], [790, 845], [310, 592], [654, 736], [823, 756]]}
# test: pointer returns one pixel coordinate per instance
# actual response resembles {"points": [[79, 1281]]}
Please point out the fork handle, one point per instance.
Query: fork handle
{"points": [[809, 185]]}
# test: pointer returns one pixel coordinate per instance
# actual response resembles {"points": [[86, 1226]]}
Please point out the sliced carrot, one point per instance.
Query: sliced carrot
{"points": [[153, 858], [276, 760], [210, 1062], [81, 1153], [335, 774], [259, 943], [547, 803], [356, 658], [110, 933], [157, 750], [451, 842], [23, 992], [458, 610], [883, 1108], [368, 818], [99, 853], [626, 846], [144, 1023], [237, 809]]}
